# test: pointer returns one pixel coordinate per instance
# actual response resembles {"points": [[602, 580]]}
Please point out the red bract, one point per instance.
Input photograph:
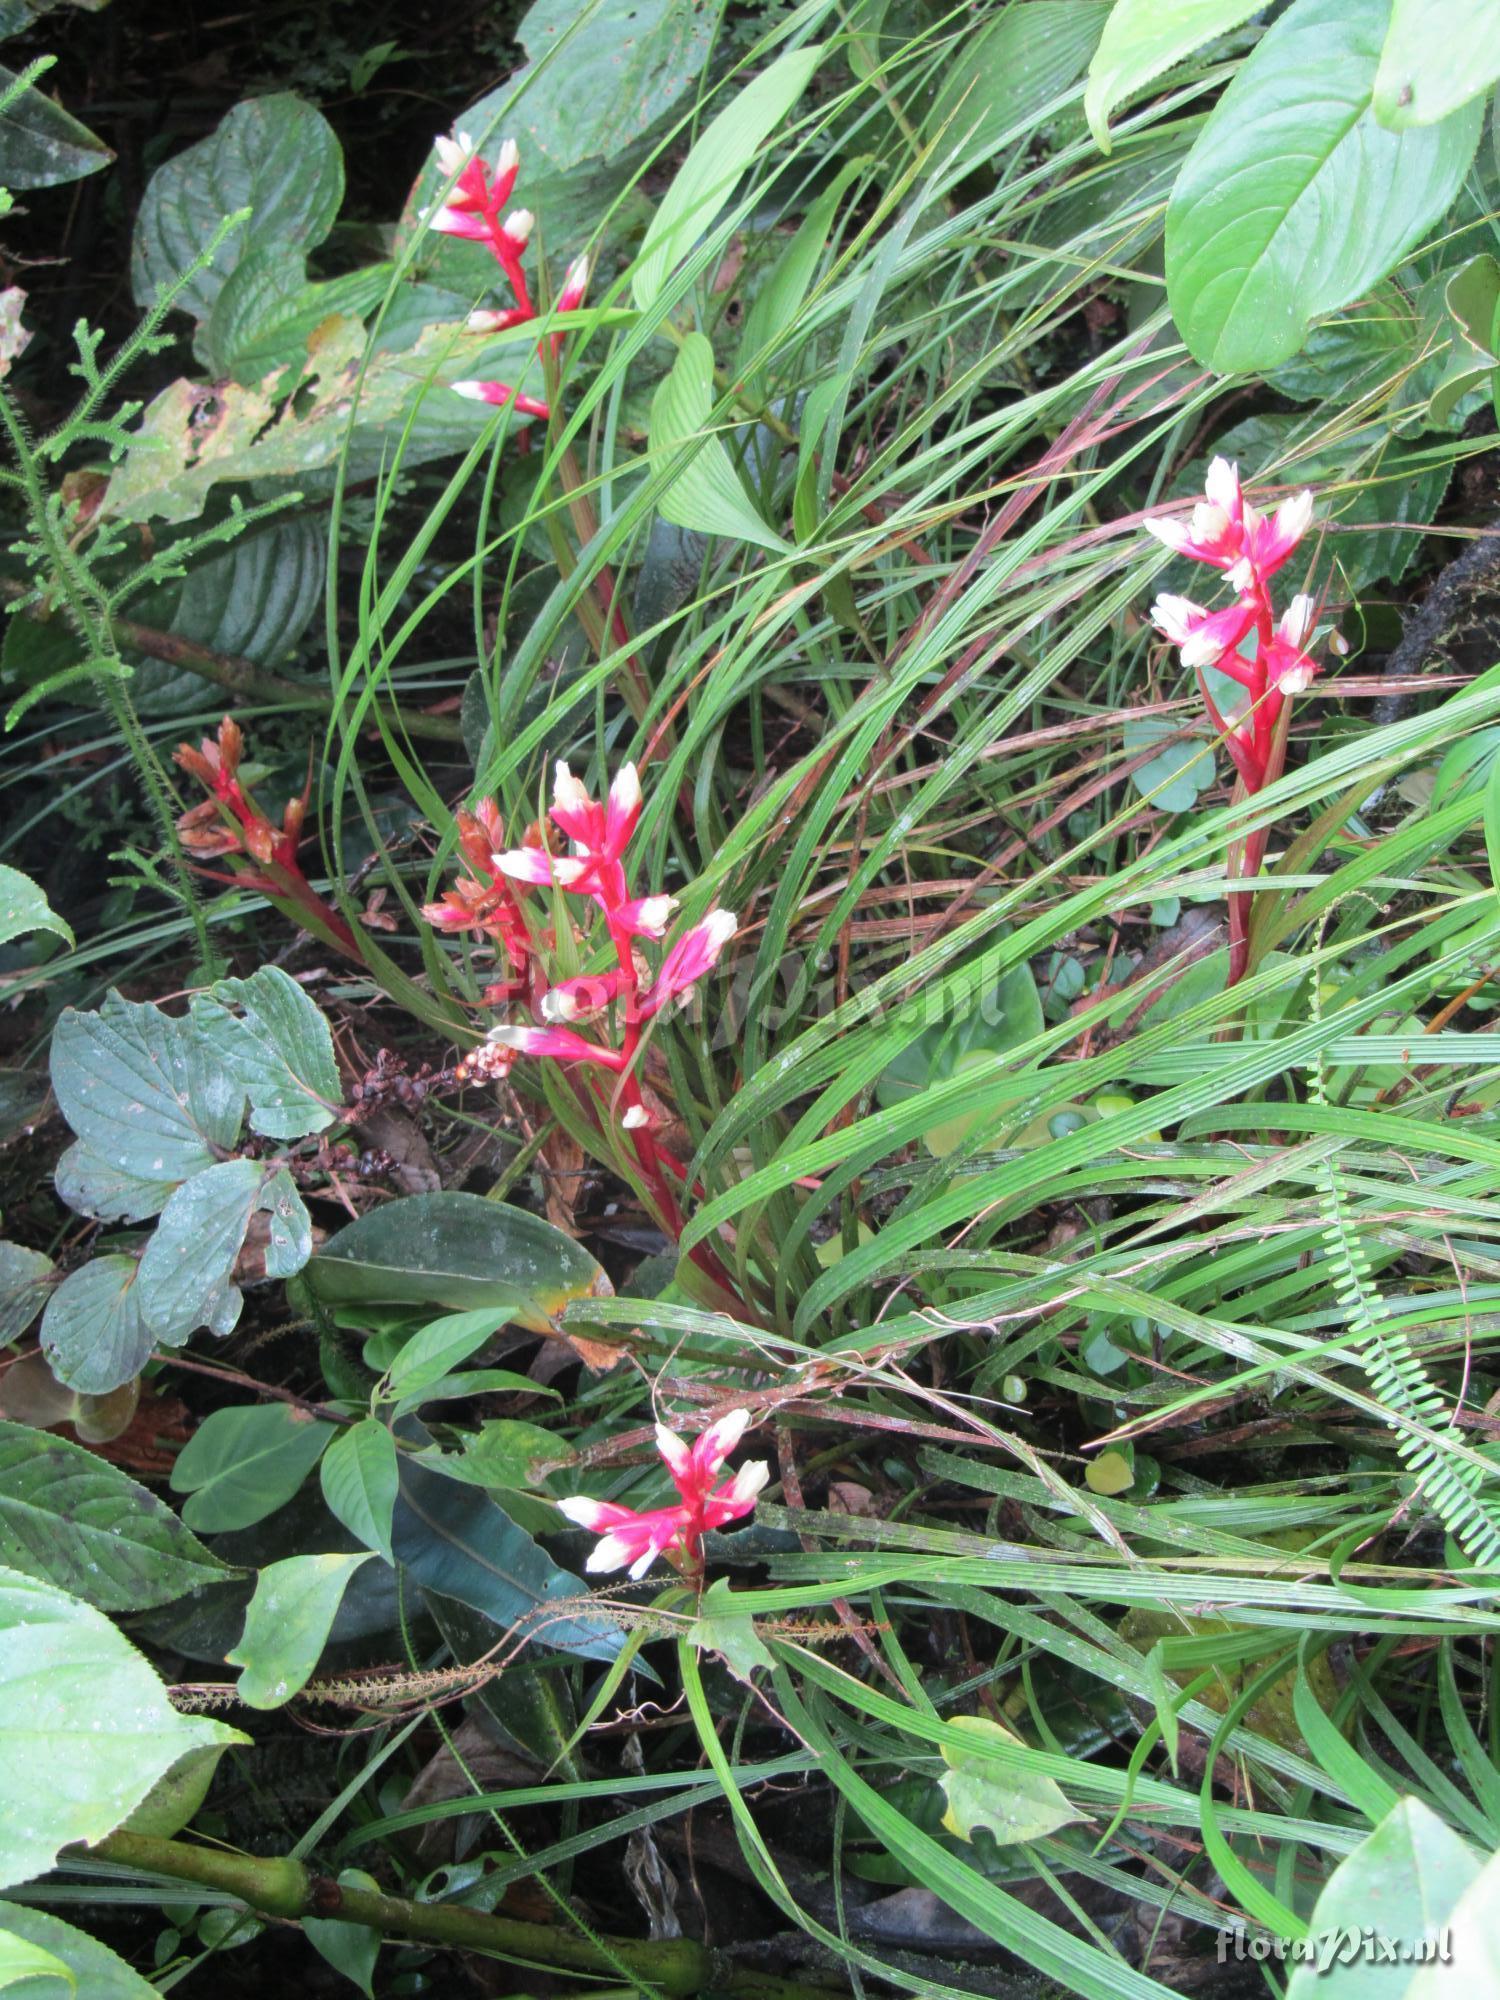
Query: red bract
{"points": [[473, 211], [1227, 533], [634, 1541]]}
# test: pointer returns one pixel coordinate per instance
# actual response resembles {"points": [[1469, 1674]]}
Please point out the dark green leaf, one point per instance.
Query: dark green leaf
{"points": [[23, 908], [280, 1052], [88, 1183], [142, 1091], [275, 155], [74, 1520], [242, 1464], [185, 1269], [256, 599], [93, 1334], [289, 1244], [349, 1948], [456, 1541], [41, 145], [1008, 73], [461, 1251], [1259, 231], [266, 311]]}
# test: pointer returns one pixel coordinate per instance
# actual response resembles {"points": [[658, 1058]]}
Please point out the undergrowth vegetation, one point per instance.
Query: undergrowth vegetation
{"points": [[748, 1192]]}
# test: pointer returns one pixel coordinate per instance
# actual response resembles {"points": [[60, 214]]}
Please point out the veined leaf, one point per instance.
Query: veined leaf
{"points": [[1259, 234], [1013, 1805], [93, 1332], [41, 145], [1144, 38], [1437, 56], [185, 1269], [24, 908], [1010, 71], [706, 493], [287, 1625], [278, 1049], [706, 178], [359, 1475], [242, 1464], [79, 1704]]}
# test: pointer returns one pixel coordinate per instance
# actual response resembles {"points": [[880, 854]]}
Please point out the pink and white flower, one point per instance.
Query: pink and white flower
{"points": [[561, 1044], [498, 394], [695, 953], [633, 1541], [1204, 637]]}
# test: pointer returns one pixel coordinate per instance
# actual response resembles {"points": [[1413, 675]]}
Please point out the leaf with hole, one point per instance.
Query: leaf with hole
{"points": [[287, 1625], [1261, 233], [1438, 55], [74, 1520], [79, 1704], [241, 1464], [1012, 1804], [461, 1251]]}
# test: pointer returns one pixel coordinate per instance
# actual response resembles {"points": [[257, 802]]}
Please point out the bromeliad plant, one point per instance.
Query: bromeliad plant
{"points": [[1227, 533], [620, 1001]]}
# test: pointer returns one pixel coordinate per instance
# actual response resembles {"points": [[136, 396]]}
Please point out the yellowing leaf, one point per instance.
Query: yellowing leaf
{"points": [[1110, 1472], [1014, 1805]]}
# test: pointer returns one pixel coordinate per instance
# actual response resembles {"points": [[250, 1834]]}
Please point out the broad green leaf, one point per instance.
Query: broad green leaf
{"points": [[507, 1452], [185, 1271], [1007, 74], [278, 1049], [275, 155], [1014, 1805], [1405, 1877], [100, 1973], [176, 1796], [88, 1182], [1144, 38], [28, 1972], [706, 178], [25, 1280], [724, 1628], [349, 1948], [41, 145], [23, 908], [1471, 300], [1437, 56], [359, 1482], [1260, 234], [139, 1088], [706, 493], [81, 1708], [93, 1334], [266, 310], [461, 1251], [243, 1463], [453, 1539], [287, 1625], [76, 1521], [254, 600], [1178, 772], [1470, 1969]]}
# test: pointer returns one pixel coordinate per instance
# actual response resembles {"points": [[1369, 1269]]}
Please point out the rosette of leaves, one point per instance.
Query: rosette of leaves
{"points": [[159, 1105]]}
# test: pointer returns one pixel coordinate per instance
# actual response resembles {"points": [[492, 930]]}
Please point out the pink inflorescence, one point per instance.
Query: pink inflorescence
{"points": [[491, 900], [633, 1541], [475, 209], [1228, 534]]}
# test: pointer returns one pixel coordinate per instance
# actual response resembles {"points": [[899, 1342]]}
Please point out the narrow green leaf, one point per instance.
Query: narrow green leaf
{"points": [[1144, 38], [1007, 74], [287, 1625], [706, 178]]}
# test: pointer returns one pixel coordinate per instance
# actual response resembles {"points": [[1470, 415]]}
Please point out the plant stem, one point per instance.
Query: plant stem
{"points": [[284, 1888]]}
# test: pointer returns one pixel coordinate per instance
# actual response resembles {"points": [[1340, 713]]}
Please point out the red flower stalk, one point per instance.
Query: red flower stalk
{"points": [[1227, 533], [634, 1541], [473, 211], [229, 823]]}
